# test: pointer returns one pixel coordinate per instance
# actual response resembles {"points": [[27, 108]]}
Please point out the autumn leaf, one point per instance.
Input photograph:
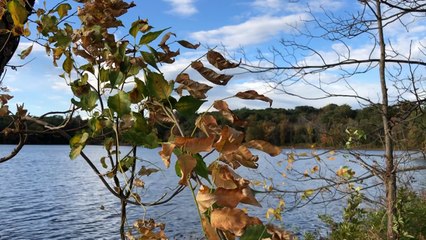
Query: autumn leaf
{"points": [[63, 9], [209, 230], [232, 219], [138, 183], [17, 11], [212, 76], [4, 98], [242, 156], [195, 145], [217, 60], [166, 153], [223, 176], [195, 89], [278, 233], [264, 146], [205, 198], [232, 197], [165, 38], [147, 171], [158, 86], [251, 94], [256, 232], [229, 141], [224, 110], [186, 163], [187, 44], [207, 124], [26, 52]]}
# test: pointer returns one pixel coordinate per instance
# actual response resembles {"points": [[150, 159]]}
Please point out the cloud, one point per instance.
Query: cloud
{"points": [[183, 7], [255, 30], [279, 6]]}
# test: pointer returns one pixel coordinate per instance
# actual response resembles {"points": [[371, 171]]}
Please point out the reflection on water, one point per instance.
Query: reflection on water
{"points": [[45, 195]]}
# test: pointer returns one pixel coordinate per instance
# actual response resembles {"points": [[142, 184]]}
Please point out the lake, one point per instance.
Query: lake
{"points": [[45, 195]]}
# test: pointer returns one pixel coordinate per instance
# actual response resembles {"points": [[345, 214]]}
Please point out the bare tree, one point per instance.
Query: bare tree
{"points": [[398, 69]]}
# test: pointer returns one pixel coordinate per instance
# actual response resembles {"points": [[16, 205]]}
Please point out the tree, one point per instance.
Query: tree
{"points": [[397, 68], [99, 67]]}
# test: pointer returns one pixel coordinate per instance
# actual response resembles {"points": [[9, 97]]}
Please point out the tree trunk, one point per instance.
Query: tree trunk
{"points": [[123, 218], [390, 175]]}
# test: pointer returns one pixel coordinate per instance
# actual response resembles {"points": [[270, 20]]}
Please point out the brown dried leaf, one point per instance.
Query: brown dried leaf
{"points": [[166, 153], [4, 111], [229, 141], [223, 176], [186, 163], [278, 233], [224, 110], [4, 98], [212, 76], [205, 198], [195, 89], [209, 230], [208, 124], [188, 44], [228, 197], [216, 59], [242, 156], [251, 94], [139, 183], [195, 145], [165, 38], [264, 146], [232, 219]]}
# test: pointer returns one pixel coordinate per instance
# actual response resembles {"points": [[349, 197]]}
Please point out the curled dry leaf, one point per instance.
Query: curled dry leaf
{"points": [[251, 94], [224, 110], [205, 198], [232, 197], [224, 177], [186, 163], [232, 219], [278, 233], [209, 230], [210, 75], [208, 125], [188, 44], [165, 38], [229, 141], [195, 145], [242, 156], [195, 89], [216, 59], [264, 146], [166, 153]]}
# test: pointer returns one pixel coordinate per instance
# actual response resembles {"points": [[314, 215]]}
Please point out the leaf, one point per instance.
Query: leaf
{"points": [[26, 52], [307, 193], [251, 94], [147, 171], [224, 110], [255, 232], [67, 65], [196, 89], [232, 219], [208, 124], [201, 167], [205, 198], [151, 36], [138, 93], [125, 164], [120, 103], [4, 98], [232, 197], [186, 163], [166, 153], [139, 183], [195, 145], [209, 230], [165, 38], [264, 146], [229, 141], [242, 156], [150, 59], [188, 105], [212, 76], [216, 59], [224, 177], [139, 25], [189, 45], [4, 111], [158, 86], [63, 10], [17, 11], [77, 143]]}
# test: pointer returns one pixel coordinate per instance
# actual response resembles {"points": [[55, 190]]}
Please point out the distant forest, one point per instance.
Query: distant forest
{"points": [[302, 126]]}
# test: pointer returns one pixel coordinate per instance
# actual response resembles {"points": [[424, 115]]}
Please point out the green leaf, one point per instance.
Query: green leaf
{"points": [[255, 232], [17, 11], [158, 86], [126, 163], [26, 52], [63, 10], [137, 138], [67, 65], [115, 78], [139, 92], [88, 101], [120, 103], [201, 167], [188, 105], [151, 36], [150, 59]]}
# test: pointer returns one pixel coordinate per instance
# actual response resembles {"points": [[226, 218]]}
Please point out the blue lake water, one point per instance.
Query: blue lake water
{"points": [[45, 195]]}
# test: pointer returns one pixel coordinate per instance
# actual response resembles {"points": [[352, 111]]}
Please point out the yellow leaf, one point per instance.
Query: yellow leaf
{"points": [[17, 11]]}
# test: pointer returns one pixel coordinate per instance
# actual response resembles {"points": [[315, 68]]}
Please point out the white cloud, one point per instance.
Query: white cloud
{"points": [[253, 31], [183, 7], [279, 6]]}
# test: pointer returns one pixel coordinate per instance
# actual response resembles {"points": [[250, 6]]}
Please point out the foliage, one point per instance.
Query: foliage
{"points": [[361, 223]]}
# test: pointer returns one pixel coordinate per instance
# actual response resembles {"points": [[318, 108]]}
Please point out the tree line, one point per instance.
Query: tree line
{"points": [[303, 126]]}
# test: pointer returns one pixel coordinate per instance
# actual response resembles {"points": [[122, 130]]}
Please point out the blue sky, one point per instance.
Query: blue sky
{"points": [[247, 24]]}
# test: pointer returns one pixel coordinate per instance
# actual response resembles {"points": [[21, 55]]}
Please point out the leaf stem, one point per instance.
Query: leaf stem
{"points": [[196, 204]]}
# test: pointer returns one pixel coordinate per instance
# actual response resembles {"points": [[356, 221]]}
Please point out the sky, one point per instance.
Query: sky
{"points": [[249, 25]]}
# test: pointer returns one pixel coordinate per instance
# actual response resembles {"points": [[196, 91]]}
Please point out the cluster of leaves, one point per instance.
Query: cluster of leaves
{"points": [[361, 223], [120, 86]]}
